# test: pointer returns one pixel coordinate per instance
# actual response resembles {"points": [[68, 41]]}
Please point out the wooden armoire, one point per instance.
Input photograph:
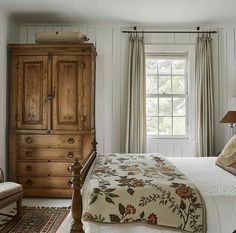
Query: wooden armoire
{"points": [[52, 107]]}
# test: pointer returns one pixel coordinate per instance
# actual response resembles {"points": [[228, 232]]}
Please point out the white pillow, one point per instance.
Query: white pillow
{"points": [[227, 158]]}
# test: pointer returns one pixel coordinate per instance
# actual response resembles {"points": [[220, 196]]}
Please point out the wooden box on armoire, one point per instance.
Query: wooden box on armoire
{"points": [[52, 102]]}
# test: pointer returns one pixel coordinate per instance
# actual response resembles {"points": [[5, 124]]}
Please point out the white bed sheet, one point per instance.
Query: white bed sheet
{"points": [[217, 187]]}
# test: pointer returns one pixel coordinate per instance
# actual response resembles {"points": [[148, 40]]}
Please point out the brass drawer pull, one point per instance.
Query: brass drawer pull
{"points": [[48, 131], [69, 183], [29, 182], [29, 140], [71, 140], [28, 168], [70, 155], [28, 153]]}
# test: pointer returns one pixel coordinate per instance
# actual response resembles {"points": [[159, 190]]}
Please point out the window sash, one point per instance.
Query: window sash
{"points": [[170, 56]]}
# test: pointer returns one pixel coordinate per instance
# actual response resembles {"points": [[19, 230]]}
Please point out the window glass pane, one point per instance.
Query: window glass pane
{"points": [[151, 66], [165, 84], [164, 66], [179, 124], [165, 108], [178, 66], [165, 126], [151, 84], [166, 101], [179, 107], [152, 125], [178, 84], [152, 107]]}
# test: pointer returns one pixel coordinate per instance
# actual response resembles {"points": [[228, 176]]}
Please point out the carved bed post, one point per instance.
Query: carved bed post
{"points": [[76, 225]]}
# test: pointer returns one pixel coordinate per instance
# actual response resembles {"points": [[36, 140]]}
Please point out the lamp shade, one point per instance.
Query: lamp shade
{"points": [[230, 117]]}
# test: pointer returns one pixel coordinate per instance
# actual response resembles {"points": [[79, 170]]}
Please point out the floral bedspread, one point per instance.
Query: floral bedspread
{"points": [[145, 188]]}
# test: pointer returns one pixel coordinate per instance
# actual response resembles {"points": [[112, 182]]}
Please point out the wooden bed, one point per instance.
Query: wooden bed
{"points": [[79, 171], [217, 186]]}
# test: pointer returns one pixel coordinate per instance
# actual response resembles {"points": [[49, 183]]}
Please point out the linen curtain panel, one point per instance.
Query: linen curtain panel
{"points": [[136, 108], [205, 104]]}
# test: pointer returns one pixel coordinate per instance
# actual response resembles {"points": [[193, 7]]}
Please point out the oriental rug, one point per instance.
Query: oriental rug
{"points": [[34, 220]]}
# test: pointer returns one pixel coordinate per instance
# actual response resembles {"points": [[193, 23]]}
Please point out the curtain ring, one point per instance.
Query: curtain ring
{"points": [[131, 35]]}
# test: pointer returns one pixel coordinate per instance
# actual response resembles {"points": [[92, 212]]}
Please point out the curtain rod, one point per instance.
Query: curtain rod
{"points": [[136, 31]]}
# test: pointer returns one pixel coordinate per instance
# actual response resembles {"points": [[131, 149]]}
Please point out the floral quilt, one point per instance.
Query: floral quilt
{"points": [[144, 188]]}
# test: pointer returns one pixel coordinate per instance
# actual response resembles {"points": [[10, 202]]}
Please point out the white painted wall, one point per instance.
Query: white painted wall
{"points": [[9, 33], [111, 80], [227, 74]]}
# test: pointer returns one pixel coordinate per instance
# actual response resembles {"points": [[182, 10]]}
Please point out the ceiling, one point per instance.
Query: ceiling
{"points": [[121, 11]]}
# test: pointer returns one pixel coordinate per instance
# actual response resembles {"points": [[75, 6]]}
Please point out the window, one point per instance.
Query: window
{"points": [[167, 94]]}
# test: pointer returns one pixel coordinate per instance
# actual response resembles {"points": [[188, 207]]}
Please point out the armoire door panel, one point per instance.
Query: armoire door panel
{"points": [[67, 88], [32, 92]]}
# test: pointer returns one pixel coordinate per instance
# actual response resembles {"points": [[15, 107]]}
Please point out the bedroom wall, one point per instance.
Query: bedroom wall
{"points": [[227, 74], [112, 49], [9, 33]]}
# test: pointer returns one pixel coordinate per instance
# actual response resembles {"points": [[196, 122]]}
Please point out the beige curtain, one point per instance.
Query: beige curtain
{"points": [[205, 105], [136, 111]]}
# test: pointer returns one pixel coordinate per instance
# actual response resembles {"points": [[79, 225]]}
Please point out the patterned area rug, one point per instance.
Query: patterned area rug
{"points": [[35, 220]]}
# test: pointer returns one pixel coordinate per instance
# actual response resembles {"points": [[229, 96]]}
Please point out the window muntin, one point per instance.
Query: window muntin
{"points": [[167, 95]]}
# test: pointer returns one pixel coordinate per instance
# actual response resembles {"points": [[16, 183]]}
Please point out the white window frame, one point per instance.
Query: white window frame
{"points": [[190, 82]]}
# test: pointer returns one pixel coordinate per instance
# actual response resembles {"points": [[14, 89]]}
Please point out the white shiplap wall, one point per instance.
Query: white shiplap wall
{"points": [[227, 80], [111, 82], [9, 33]]}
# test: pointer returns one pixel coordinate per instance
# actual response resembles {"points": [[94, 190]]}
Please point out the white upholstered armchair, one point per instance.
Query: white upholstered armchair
{"points": [[10, 192]]}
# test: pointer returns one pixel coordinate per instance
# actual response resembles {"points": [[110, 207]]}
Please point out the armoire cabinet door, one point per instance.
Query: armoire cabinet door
{"points": [[32, 92], [67, 86]]}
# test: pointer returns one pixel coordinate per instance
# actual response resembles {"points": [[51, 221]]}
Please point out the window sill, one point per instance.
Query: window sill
{"points": [[167, 137]]}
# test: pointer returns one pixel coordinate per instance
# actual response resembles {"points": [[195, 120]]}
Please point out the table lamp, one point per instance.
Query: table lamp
{"points": [[230, 117]]}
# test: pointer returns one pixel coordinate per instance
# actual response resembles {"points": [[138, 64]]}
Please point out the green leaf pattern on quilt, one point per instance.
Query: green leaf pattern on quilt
{"points": [[144, 188]]}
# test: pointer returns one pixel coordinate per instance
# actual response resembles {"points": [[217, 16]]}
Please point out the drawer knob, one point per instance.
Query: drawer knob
{"points": [[71, 140], [70, 155], [29, 140], [69, 183], [28, 153], [28, 168], [29, 182]]}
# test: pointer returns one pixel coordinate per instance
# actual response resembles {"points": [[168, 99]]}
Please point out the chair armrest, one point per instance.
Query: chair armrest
{"points": [[1, 176]]}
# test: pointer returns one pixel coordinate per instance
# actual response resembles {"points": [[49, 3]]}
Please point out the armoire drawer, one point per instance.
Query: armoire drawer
{"points": [[45, 182], [35, 153], [43, 169], [50, 140]]}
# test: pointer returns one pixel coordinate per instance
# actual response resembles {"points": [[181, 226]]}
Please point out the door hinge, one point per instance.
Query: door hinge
{"points": [[83, 118]]}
